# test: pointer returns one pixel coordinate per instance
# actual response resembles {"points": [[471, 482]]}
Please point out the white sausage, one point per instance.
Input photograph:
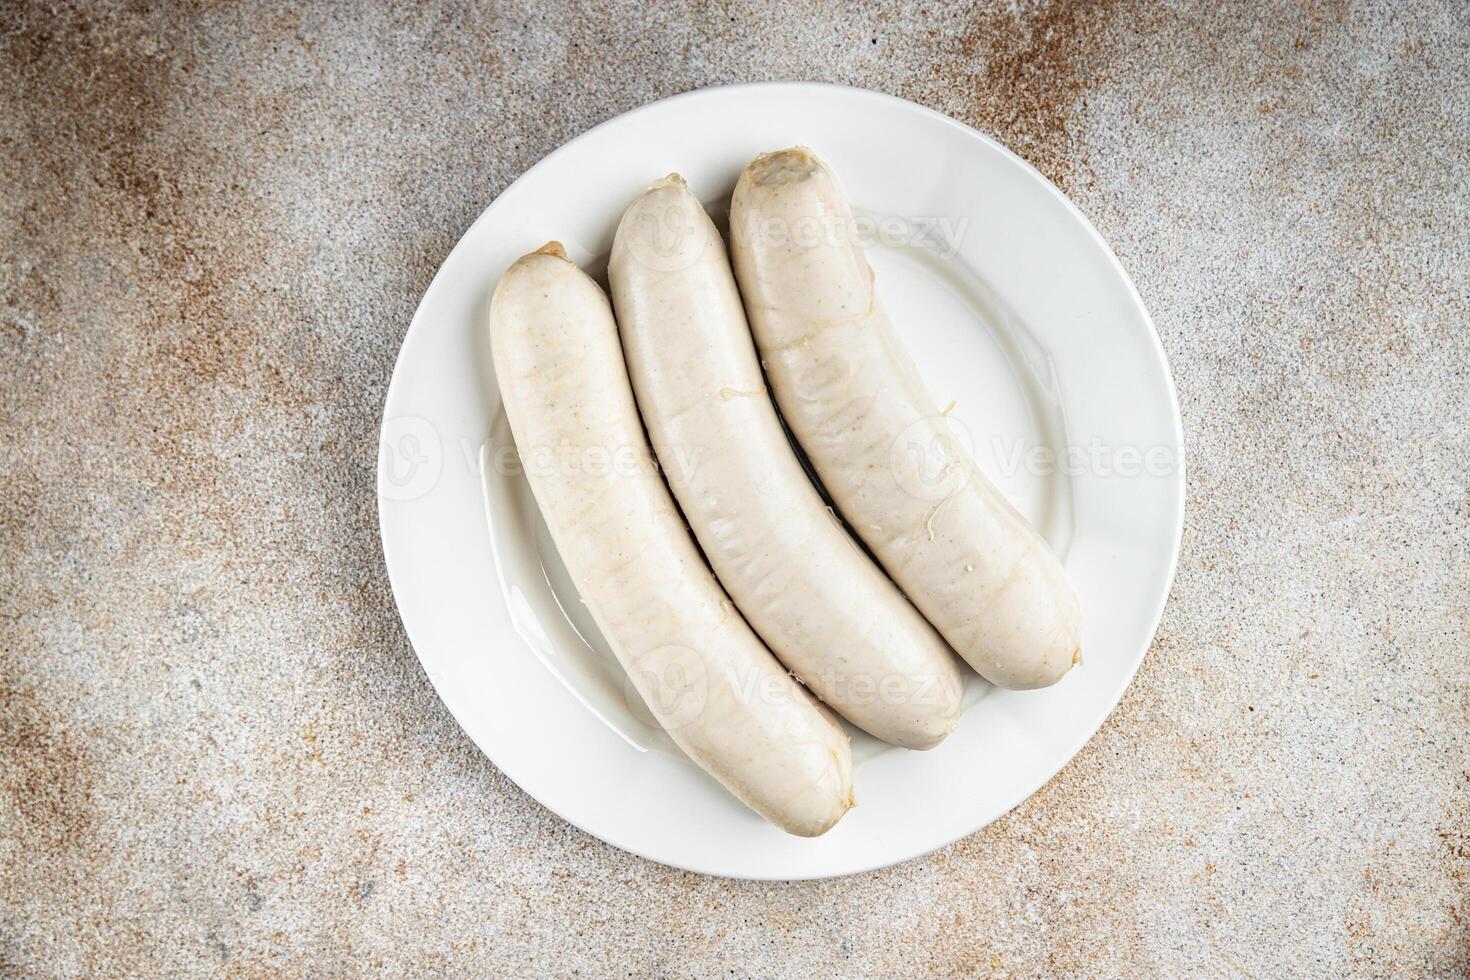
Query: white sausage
{"points": [[821, 605], [853, 399], [705, 676]]}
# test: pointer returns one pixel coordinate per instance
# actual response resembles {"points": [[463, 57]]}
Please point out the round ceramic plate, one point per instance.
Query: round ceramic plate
{"points": [[1014, 309]]}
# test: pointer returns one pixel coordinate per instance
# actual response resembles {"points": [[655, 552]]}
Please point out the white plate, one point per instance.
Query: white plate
{"points": [[1013, 307]]}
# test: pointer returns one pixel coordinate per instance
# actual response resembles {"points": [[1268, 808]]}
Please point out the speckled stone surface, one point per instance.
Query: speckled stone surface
{"points": [[218, 752]]}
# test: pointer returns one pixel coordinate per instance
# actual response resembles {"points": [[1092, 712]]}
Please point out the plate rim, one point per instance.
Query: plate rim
{"points": [[416, 329]]}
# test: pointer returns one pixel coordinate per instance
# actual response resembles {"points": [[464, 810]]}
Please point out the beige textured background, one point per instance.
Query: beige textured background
{"points": [[218, 751]]}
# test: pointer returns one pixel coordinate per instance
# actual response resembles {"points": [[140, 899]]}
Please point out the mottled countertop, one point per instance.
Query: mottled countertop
{"points": [[218, 751]]}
